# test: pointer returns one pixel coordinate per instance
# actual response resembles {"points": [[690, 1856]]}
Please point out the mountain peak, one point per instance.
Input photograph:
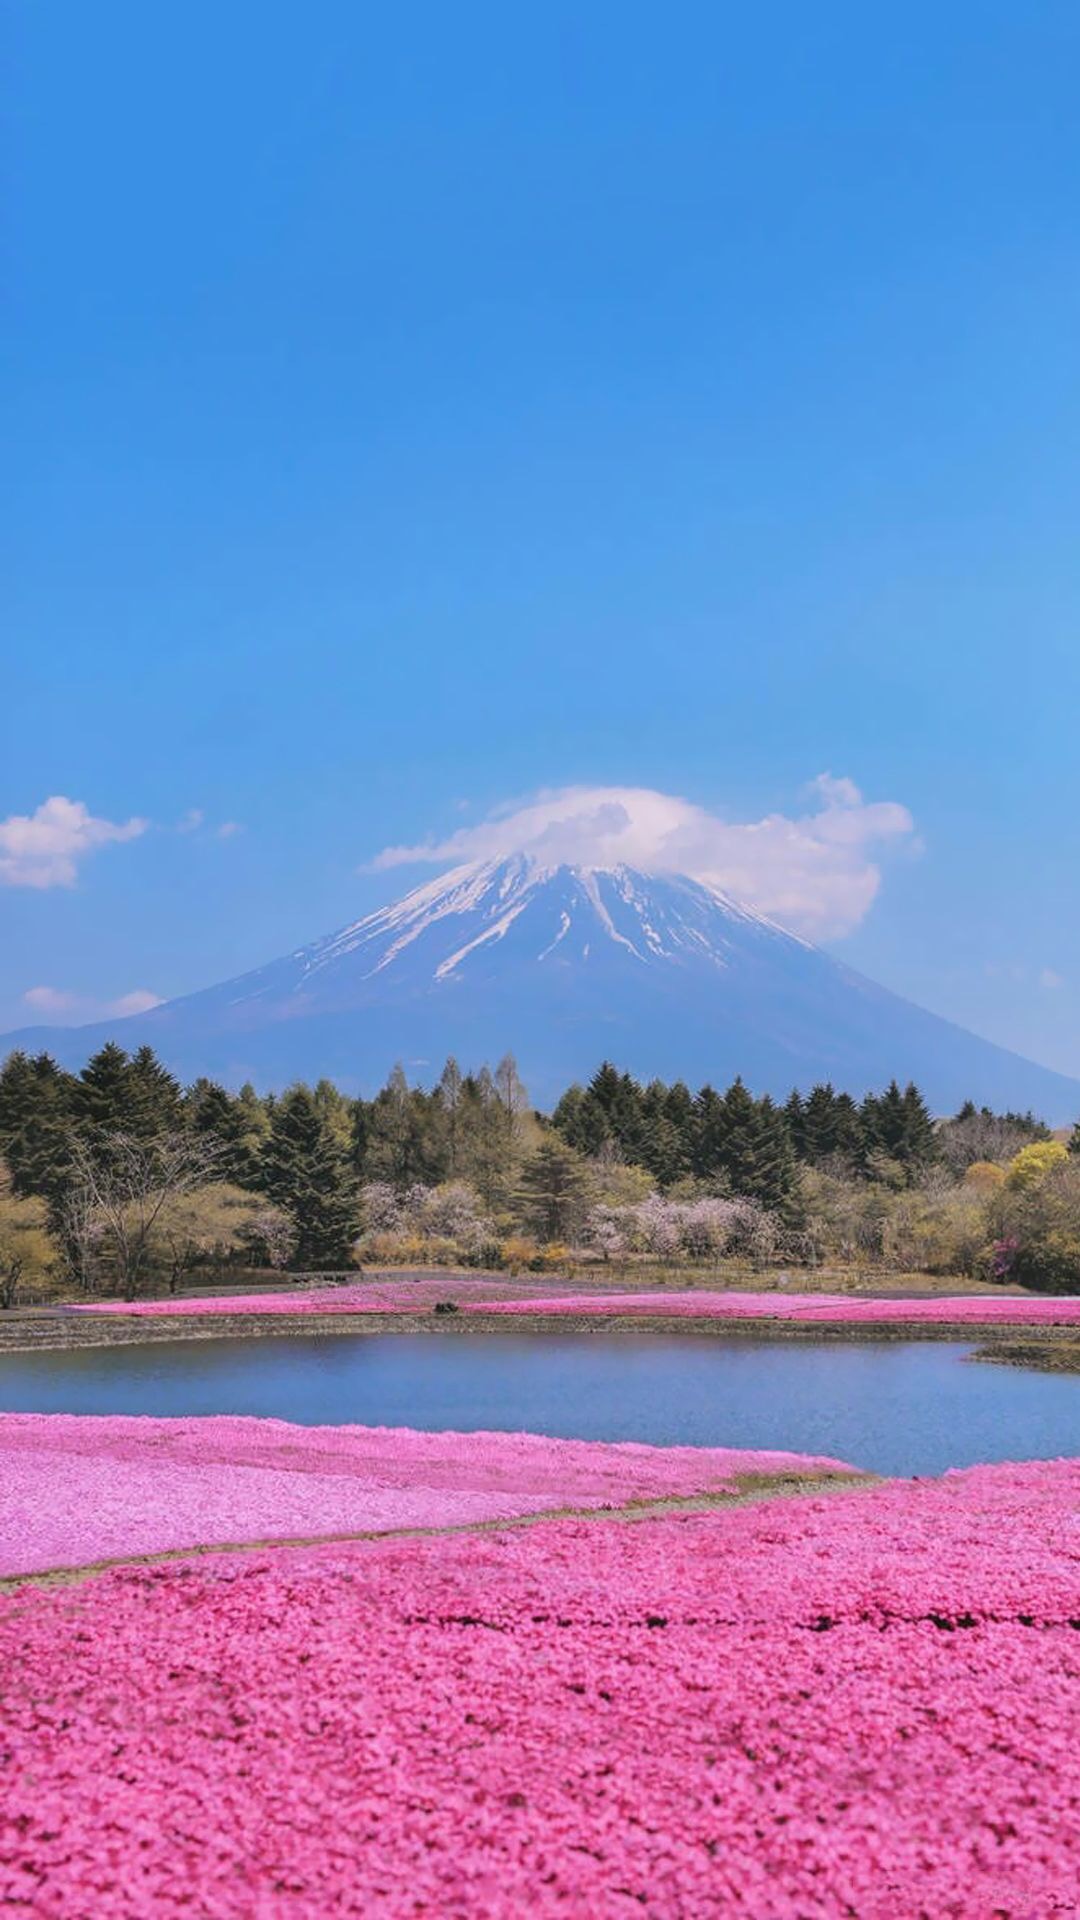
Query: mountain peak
{"points": [[565, 965]]}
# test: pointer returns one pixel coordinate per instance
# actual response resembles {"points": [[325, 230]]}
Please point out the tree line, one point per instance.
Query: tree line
{"points": [[119, 1161]]}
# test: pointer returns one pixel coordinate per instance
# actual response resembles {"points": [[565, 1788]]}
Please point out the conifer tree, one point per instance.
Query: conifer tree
{"points": [[153, 1101], [227, 1122], [552, 1190], [36, 1124], [103, 1089], [795, 1115], [305, 1170]]}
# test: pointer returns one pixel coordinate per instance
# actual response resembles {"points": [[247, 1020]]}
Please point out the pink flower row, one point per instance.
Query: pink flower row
{"points": [[861, 1704], [959, 1309], [411, 1296], [80, 1490], [362, 1296]]}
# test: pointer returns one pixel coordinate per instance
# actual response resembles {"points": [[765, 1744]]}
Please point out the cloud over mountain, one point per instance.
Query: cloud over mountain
{"points": [[816, 872]]}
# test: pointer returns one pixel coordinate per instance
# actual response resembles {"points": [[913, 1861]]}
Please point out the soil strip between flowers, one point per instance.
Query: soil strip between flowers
{"points": [[750, 1488]]}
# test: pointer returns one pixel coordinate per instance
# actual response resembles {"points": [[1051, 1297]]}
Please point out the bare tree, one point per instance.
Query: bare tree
{"points": [[127, 1182]]}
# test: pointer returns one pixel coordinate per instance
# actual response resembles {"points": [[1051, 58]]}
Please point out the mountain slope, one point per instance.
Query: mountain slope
{"points": [[564, 965]]}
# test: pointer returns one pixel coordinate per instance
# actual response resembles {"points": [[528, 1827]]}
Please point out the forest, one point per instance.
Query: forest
{"points": [[119, 1180]]}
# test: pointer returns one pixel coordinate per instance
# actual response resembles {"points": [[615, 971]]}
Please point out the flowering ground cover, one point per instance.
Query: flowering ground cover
{"points": [[80, 1490], [853, 1706], [540, 1296], [959, 1309], [418, 1293]]}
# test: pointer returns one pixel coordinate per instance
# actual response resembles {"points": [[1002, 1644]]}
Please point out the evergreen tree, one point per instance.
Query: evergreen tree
{"points": [[1074, 1139], [661, 1151], [153, 1101], [483, 1151], [920, 1134], [104, 1087], [795, 1115], [848, 1130], [708, 1136], [776, 1181], [679, 1110], [820, 1124], [36, 1124], [214, 1115], [305, 1170], [566, 1118], [552, 1190]]}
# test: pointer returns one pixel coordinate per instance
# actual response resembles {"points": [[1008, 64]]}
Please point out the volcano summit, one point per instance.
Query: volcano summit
{"points": [[565, 965]]}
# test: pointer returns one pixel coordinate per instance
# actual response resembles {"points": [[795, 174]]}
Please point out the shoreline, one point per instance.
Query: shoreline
{"points": [[1050, 1349]]}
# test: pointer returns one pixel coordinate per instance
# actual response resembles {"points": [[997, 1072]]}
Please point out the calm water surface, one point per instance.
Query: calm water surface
{"points": [[895, 1408]]}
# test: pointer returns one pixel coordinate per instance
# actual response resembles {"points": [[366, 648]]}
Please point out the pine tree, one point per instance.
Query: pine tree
{"points": [[1074, 1139], [552, 1190], [217, 1117], [820, 1124], [795, 1115], [153, 1099], [920, 1134], [776, 1179], [661, 1151], [36, 1125], [306, 1171], [104, 1090], [848, 1131], [708, 1135]]}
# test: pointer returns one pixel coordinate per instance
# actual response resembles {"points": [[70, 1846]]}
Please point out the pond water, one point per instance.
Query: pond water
{"points": [[893, 1407]]}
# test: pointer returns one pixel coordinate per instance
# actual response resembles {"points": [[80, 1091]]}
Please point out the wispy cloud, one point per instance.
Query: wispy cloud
{"points": [[66, 1008], [195, 821], [44, 849], [816, 872]]}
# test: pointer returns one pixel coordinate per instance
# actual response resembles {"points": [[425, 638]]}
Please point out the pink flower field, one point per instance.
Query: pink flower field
{"points": [[856, 1705], [536, 1296], [960, 1309], [417, 1294], [80, 1490]]}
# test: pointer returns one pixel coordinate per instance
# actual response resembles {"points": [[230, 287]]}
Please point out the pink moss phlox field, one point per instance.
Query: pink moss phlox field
{"points": [[965, 1309], [488, 1295], [856, 1705], [417, 1293], [78, 1490]]}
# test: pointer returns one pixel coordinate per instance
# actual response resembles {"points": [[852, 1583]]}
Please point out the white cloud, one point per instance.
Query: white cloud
{"points": [[228, 828], [72, 1009], [191, 821], [139, 1000], [43, 849], [1049, 977], [815, 872]]}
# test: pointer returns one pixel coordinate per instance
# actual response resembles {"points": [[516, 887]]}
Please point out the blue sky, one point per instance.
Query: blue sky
{"points": [[418, 407]]}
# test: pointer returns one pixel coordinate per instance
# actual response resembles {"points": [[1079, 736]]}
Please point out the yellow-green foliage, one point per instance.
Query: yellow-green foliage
{"points": [[1032, 1164], [984, 1176], [28, 1253]]}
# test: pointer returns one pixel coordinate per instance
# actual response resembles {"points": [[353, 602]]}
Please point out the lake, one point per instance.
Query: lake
{"points": [[892, 1407]]}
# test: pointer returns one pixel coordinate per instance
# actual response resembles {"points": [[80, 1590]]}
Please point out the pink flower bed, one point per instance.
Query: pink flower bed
{"points": [[959, 1309], [861, 1705], [418, 1293], [79, 1490]]}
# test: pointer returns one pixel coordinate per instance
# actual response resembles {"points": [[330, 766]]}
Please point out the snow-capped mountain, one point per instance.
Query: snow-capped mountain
{"points": [[564, 965]]}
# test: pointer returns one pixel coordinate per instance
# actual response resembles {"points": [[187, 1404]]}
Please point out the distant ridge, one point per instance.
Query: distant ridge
{"points": [[564, 965]]}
